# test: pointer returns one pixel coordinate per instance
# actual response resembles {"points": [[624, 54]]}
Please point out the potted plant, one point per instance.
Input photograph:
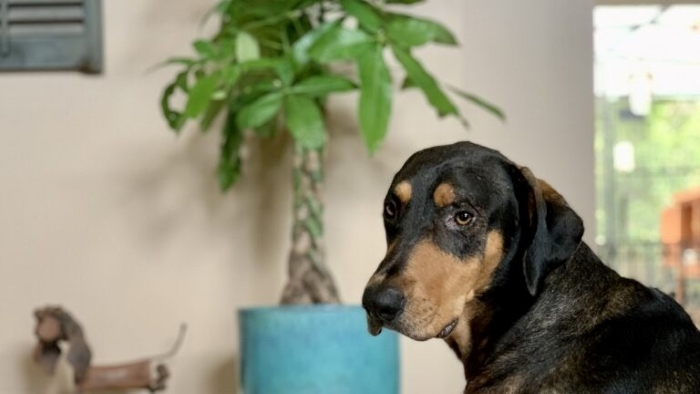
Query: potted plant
{"points": [[269, 69]]}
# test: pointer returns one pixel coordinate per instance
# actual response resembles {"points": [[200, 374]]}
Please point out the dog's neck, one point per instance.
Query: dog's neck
{"points": [[488, 318], [485, 319], [475, 333]]}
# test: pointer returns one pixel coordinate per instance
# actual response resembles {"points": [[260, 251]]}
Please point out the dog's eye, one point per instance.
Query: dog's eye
{"points": [[463, 218], [390, 210]]}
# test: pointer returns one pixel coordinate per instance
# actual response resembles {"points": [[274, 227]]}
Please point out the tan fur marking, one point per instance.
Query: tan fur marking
{"points": [[403, 191], [461, 335], [440, 286], [473, 309], [543, 187], [548, 192], [492, 257], [444, 195]]}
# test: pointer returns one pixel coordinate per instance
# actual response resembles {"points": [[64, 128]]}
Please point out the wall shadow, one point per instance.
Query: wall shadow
{"points": [[225, 378]]}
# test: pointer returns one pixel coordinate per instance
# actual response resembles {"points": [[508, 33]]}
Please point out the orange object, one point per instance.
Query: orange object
{"points": [[680, 236]]}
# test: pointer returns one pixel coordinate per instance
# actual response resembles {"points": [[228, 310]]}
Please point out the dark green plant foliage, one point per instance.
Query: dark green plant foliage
{"points": [[375, 96], [268, 69]]}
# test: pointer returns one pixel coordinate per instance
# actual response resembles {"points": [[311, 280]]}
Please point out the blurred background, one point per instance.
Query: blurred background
{"points": [[647, 87], [107, 212]]}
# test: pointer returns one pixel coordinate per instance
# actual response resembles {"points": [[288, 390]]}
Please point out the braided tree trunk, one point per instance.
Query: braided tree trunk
{"points": [[309, 279]]}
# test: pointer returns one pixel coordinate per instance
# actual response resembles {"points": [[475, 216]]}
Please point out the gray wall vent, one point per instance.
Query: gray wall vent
{"points": [[51, 35]]}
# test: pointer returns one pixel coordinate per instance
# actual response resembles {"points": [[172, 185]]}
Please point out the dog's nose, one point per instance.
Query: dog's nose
{"points": [[385, 303]]}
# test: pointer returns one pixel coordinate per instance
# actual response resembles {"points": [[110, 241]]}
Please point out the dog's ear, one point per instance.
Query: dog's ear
{"points": [[79, 357], [555, 231]]}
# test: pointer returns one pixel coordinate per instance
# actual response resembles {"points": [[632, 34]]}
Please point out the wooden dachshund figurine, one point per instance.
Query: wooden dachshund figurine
{"points": [[55, 325]]}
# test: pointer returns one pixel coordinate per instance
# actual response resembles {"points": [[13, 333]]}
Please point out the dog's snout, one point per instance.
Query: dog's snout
{"points": [[385, 303], [389, 303]]}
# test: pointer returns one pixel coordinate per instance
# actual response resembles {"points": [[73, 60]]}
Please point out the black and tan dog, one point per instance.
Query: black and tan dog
{"points": [[486, 256]]}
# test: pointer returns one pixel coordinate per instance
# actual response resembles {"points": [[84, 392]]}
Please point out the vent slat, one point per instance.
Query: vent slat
{"points": [[45, 14], [13, 3], [29, 29]]}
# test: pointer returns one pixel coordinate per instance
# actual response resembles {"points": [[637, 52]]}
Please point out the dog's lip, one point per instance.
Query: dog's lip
{"points": [[374, 325], [448, 329]]}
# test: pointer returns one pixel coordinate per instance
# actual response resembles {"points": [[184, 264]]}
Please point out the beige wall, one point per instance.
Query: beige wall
{"points": [[104, 211]]}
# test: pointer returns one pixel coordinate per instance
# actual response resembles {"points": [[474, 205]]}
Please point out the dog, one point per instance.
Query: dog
{"points": [[489, 258]]}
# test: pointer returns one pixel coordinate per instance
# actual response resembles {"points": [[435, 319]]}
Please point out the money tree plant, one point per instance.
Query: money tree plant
{"points": [[270, 68]]}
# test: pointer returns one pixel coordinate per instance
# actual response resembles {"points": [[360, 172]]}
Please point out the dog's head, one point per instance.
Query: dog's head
{"points": [[462, 220], [53, 326]]}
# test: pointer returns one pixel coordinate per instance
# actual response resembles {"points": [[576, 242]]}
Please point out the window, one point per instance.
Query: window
{"points": [[647, 88]]}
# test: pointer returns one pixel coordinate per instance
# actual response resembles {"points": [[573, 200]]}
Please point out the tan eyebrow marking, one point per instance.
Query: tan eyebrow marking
{"points": [[444, 195], [403, 191]]}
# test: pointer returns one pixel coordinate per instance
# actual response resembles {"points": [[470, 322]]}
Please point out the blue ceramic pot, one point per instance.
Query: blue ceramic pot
{"points": [[320, 349]]}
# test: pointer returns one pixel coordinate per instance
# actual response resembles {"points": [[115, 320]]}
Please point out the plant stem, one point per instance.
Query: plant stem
{"points": [[309, 279]]}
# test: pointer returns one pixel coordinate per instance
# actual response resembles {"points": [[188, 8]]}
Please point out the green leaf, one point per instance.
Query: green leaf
{"points": [[260, 64], [181, 81], [262, 12], [492, 108], [301, 47], [286, 71], [305, 121], [220, 8], [365, 13], [229, 168], [322, 85], [375, 97], [408, 83], [171, 116], [229, 75], [213, 109], [339, 43], [247, 47], [175, 119], [250, 93], [267, 130], [200, 95], [437, 98], [205, 49], [226, 49], [259, 111], [282, 66], [412, 32], [180, 61]]}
